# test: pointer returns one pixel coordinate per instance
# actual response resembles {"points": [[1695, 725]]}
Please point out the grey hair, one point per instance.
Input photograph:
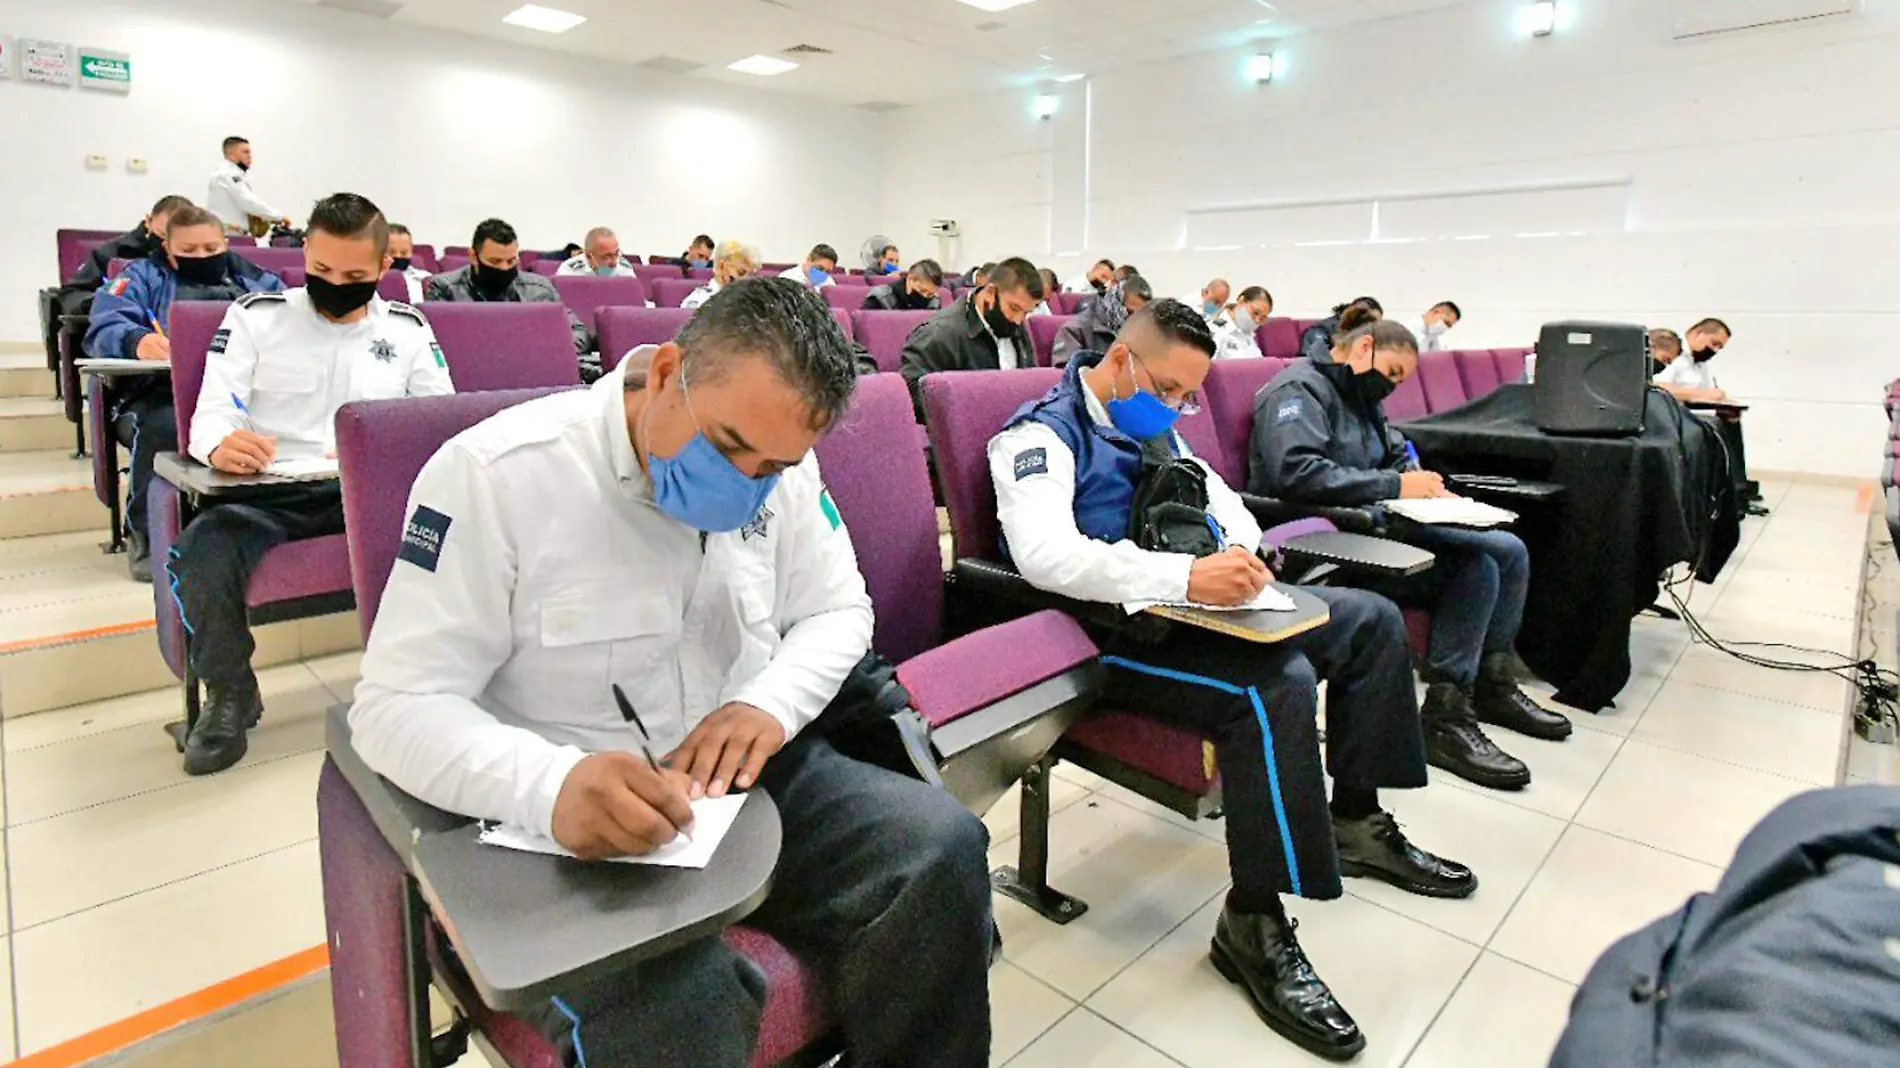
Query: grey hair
{"points": [[596, 234], [783, 323], [737, 250]]}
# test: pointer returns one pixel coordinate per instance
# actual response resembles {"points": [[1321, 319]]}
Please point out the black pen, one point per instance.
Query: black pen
{"points": [[646, 747]]}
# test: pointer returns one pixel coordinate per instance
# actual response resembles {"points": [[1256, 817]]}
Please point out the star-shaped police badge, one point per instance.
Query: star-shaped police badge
{"points": [[758, 527], [382, 350]]}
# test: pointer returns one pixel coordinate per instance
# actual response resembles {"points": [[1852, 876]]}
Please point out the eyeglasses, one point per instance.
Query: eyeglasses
{"points": [[1188, 403]]}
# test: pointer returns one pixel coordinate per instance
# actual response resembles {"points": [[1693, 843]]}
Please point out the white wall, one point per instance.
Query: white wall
{"points": [[440, 130], [1760, 172]]}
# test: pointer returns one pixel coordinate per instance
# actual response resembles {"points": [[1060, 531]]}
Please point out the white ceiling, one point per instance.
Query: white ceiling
{"points": [[904, 51]]}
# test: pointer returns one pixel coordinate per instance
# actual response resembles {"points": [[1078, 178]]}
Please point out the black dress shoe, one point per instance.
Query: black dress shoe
{"points": [[1455, 742], [138, 557], [1259, 954], [217, 740], [1375, 848], [1755, 508], [1497, 701]]}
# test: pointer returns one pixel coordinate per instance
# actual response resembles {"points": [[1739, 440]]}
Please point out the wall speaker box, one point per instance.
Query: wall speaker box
{"points": [[1591, 378]]}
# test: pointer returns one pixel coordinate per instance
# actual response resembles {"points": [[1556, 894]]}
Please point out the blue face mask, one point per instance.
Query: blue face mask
{"points": [[818, 275], [699, 263], [702, 489], [1143, 415], [607, 271], [1211, 308]]}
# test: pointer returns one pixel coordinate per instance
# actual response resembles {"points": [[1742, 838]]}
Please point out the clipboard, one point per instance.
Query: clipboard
{"points": [[1260, 628]]}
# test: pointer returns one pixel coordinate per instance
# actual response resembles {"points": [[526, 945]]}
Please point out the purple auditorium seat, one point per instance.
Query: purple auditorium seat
{"points": [[1229, 395], [1069, 303], [1510, 364], [451, 262], [1438, 374], [624, 329], [845, 298], [274, 260], [244, 241], [292, 277], [771, 269], [381, 446], [1407, 401], [74, 246], [393, 285], [1477, 370], [585, 295], [1279, 338], [504, 346], [652, 273], [529, 259], [545, 268], [844, 323], [293, 581], [424, 257], [700, 274], [116, 266], [456, 250], [672, 292], [1042, 334], [883, 333], [105, 459]]}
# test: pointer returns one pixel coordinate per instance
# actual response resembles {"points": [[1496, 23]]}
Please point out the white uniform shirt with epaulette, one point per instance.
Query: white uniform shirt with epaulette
{"points": [[413, 277], [578, 266], [291, 369], [231, 198], [536, 573]]}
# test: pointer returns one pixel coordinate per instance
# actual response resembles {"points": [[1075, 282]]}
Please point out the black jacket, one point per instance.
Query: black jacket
{"points": [[1082, 333], [134, 244], [1790, 962], [1313, 444], [895, 296], [956, 339], [1316, 342]]}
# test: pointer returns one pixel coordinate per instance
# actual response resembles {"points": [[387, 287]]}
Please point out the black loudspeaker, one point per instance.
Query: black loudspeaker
{"points": [[1591, 378]]}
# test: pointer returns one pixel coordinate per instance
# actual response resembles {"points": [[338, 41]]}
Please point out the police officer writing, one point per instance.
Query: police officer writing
{"points": [[277, 371], [1066, 468], [670, 535], [1320, 436], [128, 322]]}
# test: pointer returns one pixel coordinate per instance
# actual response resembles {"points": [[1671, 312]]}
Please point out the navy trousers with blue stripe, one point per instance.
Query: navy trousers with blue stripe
{"points": [[1258, 704], [146, 426]]}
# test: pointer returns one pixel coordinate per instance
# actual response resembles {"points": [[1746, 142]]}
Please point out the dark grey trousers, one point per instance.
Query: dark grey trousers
{"points": [[882, 887]]}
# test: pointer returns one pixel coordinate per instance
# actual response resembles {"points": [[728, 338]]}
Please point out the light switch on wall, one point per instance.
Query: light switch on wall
{"points": [[95, 162], [137, 165]]}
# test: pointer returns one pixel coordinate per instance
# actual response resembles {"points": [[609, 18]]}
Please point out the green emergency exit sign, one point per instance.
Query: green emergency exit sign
{"points": [[110, 71]]}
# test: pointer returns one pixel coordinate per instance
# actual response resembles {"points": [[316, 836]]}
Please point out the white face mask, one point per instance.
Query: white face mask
{"points": [[1435, 329], [1243, 320]]}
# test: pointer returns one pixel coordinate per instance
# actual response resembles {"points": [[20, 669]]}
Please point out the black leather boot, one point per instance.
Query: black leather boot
{"points": [[138, 557], [1375, 848], [1498, 701], [1455, 742], [1258, 953], [217, 740]]}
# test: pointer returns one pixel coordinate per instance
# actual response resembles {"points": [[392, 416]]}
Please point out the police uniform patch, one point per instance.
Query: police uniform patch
{"points": [[826, 505], [249, 299], [220, 339], [1031, 462], [382, 350], [423, 537], [407, 311], [760, 526], [436, 351], [1289, 410], [118, 286]]}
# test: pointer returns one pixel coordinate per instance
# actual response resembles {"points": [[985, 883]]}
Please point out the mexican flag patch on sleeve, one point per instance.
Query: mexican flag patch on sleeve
{"points": [[117, 288], [830, 509]]}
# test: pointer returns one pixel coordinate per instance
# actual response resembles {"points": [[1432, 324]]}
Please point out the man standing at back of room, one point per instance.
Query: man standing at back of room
{"points": [[600, 255], [669, 535], [494, 274], [1066, 468], [979, 332], [231, 198], [276, 373]]}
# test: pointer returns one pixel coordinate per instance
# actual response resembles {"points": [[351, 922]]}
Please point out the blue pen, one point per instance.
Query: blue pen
{"points": [[1411, 457], [248, 425], [1220, 536]]}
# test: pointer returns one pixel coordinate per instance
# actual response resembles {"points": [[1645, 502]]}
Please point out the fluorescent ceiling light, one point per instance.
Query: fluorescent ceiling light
{"points": [[1045, 106], [545, 19], [1542, 18], [994, 5], [763, 66], [1071, 78], [1260, 68]]}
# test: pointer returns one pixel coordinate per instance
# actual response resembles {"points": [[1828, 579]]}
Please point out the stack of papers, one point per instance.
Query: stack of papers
{"points": [[310, 470], [1269, 600], [712, 818], [1451, 511]]}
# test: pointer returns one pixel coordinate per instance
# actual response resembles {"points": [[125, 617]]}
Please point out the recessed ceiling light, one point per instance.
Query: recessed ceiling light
{"points": [[1071, 78], [545, 19], [764, 66], [993, 5]]}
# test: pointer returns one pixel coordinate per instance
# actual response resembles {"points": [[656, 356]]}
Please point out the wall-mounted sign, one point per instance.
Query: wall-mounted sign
{"points": [[6, 57], [50, 62], [100, 69]]}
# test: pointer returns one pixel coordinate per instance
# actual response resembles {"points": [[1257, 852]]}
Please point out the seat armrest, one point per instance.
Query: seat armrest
{"points": [[1271, 512], [1353, 556], [1000, 583]]}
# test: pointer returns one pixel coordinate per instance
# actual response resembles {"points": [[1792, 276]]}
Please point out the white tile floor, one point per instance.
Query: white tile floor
{"points": [[131, 885]]}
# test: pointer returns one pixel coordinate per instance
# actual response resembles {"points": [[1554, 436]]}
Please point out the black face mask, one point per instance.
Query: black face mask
{"points": [[998, 322], [337, 299], [907, 299], [1704, 355], [1373, 386], [1100, 286], [399, 263], [242, 166], [201, 270], [494, 281]]}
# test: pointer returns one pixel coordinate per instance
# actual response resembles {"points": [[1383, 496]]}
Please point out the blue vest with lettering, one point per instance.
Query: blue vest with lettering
{"points": [[1107, 461]]}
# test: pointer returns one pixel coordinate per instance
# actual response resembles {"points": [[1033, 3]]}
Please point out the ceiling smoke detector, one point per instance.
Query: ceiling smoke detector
{"points": [[806, 50]]}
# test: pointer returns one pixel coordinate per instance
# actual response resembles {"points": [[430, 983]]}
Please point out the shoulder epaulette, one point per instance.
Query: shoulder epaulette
{"points": [[407, 311], [249, 299]]}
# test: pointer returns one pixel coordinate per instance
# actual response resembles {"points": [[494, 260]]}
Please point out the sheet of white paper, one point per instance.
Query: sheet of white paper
{"points": [[1452, 511], [712, 818], [311, 469], [1269, 600]]}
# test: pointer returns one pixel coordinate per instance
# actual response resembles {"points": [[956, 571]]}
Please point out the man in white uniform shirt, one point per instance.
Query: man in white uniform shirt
{"points": [[277, 370], [1438, 322], [600, 255], [733, 261], [1237, 330], [402, 252], [670, 535], [231, 198]]}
